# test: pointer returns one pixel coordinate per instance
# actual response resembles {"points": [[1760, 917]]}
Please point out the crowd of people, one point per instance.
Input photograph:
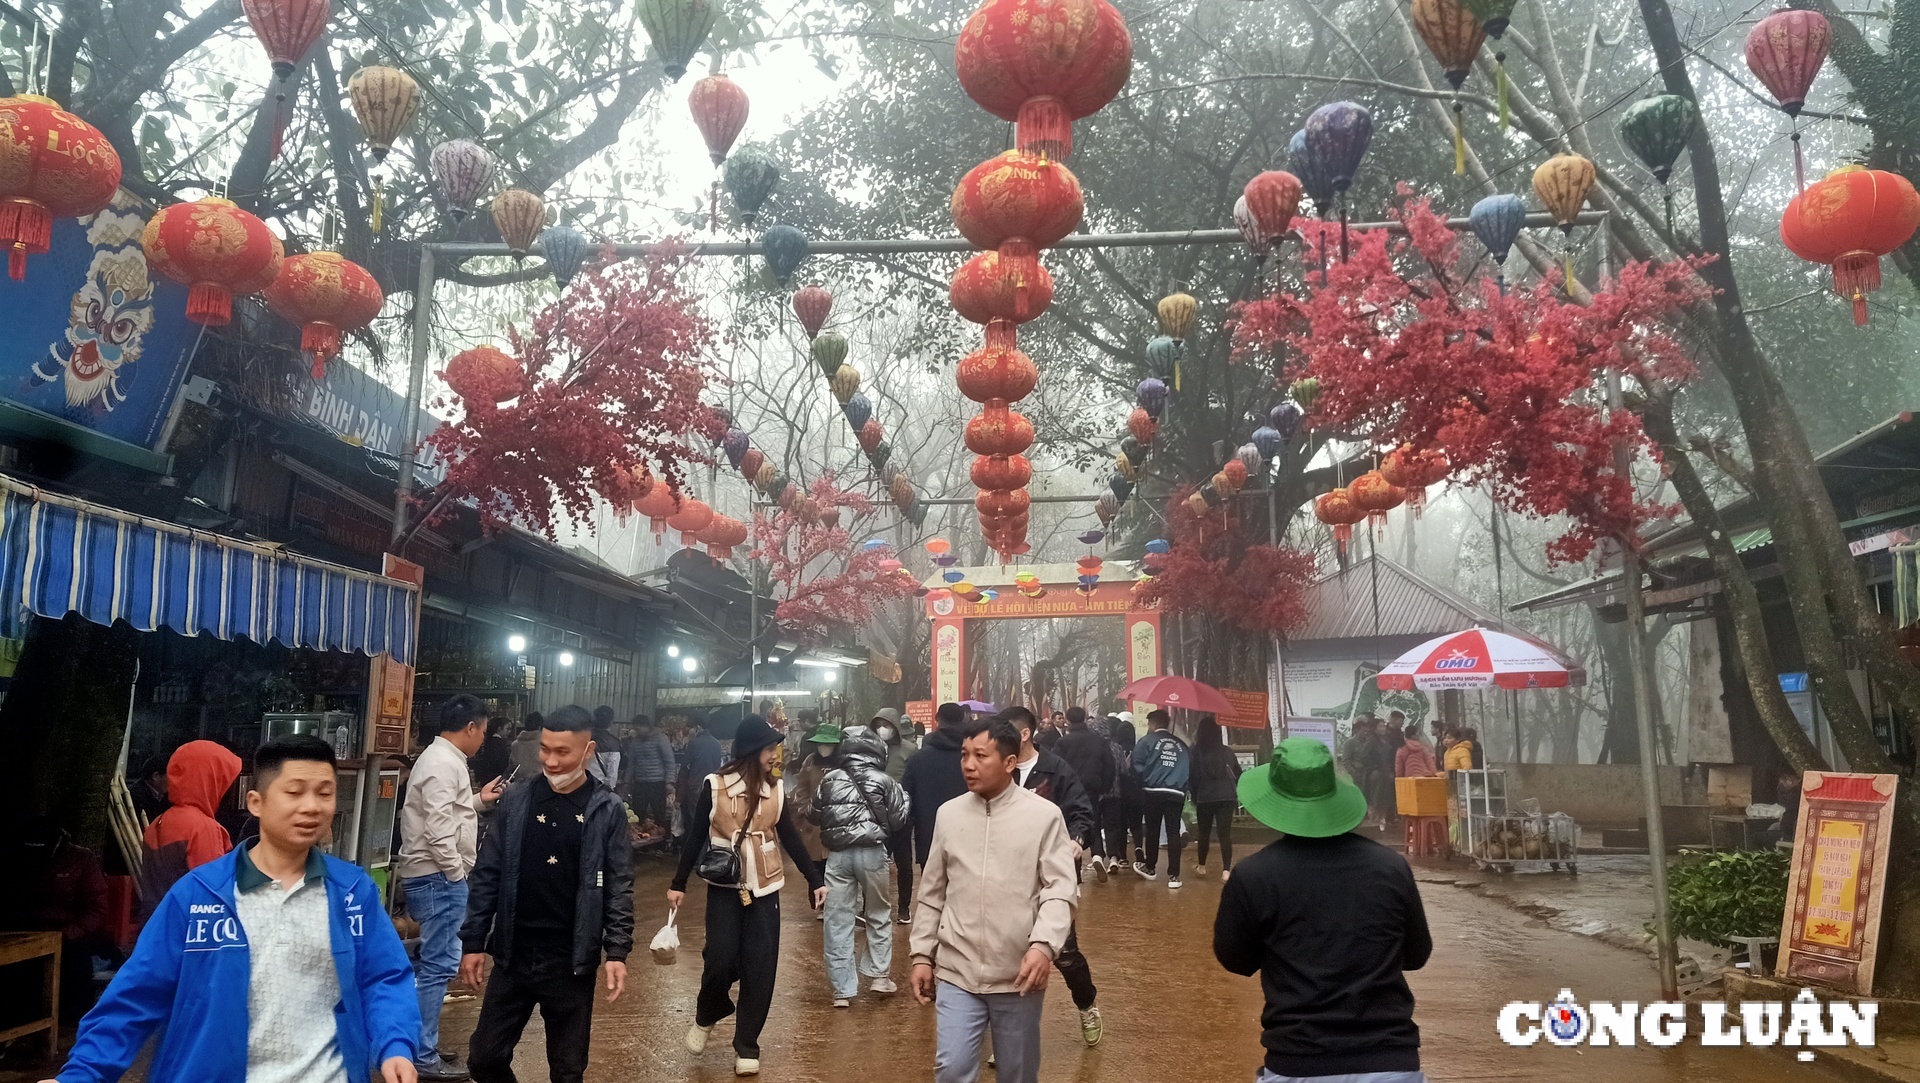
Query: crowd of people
{"points": [[1377, 752], [978, 834]]}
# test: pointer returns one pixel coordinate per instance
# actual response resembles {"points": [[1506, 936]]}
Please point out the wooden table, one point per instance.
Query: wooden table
{"points": [[23, 947]]}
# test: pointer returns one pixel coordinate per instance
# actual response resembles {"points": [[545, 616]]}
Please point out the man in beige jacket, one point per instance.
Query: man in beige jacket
{"points": [[994, 907]]}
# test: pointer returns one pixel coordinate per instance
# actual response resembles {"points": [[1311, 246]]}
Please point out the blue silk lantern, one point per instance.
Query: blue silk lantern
{"points": [[1285, 419], [858, 410], [565, 248], [785, 247], [736, 444], [1269, 441], [1163, 353], [1121, 487], [1312, 172], [1497, 221], [1151, 396], [1338, 134]]}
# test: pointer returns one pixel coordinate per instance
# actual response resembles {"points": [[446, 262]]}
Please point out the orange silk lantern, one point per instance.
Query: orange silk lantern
{"points": [[988, 288], [57, 166], [1142, 425], [1236, 474], [217, 250], [1562, 183], [719, 110], [900, 489], [1337, 510], [1273, 199], [485, 376], [997, 375], [690, 520], [1001, 471], [327, 295], [1454, 36], [751, 462], [1849, 220], [1044, 65], [999, 431]]}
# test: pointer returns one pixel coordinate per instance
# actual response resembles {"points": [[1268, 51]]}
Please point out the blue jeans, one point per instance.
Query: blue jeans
{"points": [[439, 905], [962, 1022], [857, 883]]}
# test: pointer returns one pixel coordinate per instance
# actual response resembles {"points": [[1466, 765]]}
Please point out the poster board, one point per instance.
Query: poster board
{"points": [[1249, 710], [1320, 729], [389, 706], [1838, 880], [920, 711]]}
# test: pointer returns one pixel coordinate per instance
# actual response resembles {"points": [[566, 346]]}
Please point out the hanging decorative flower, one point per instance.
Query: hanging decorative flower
{"points": [[988, 288], [844, 383], [463, 169], [1044, 65], [829, 351], [385, 100], [677, 29], [216, 249], [785, 248], [1850, 220], [1337, 510], [520, 216], [997, 375], [813, 303], [750, 176], [565, 248], [327, 295], [719, 110], [1178, 313], [286, 29], [57, 166], [485, 376], [999, 432]]}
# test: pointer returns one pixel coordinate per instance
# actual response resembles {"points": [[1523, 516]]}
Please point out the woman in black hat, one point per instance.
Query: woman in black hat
{"points": [[742, 809]]}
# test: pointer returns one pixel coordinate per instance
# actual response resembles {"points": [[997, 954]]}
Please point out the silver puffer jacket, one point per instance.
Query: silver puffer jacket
{"points": [[858, 804]]}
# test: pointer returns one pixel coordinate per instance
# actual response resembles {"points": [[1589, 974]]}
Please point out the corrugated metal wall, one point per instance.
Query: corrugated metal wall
{"points": [[626, 686]]}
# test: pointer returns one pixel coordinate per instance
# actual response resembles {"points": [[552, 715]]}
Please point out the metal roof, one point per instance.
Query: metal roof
{"points": [[1341, 606]]}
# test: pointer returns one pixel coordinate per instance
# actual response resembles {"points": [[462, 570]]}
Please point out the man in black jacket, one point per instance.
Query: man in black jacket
{"points": [[1050, 776], [933, 778], [1091, 757], [1330, 921], [552, 893]]}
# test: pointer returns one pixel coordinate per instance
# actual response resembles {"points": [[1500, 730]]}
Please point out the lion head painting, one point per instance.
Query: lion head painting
{"points": [[111, 312]]}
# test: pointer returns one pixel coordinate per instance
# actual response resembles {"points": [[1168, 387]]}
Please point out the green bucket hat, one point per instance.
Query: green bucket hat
{"points": [[1300, 793], [827, 734]]}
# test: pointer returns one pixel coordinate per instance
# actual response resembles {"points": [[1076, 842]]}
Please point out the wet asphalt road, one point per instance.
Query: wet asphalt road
{"points": [[1171, 1012]]}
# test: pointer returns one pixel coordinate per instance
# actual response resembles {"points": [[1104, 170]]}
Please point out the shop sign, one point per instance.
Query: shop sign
{"points": [[1838, 880], [365, 412], [390, 705], [93, 338]]}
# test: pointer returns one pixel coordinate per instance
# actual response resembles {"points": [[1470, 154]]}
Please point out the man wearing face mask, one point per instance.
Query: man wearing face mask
{"points": [[551, 896]]}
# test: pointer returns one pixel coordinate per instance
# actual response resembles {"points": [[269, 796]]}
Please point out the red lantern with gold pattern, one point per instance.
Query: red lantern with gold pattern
{"points": [[485, 376], [659, 504], [1337, 510], [1001, 471], [997, 374], [1850, 220], [52, 165], [1142, 425], [998, 431], [719, 110], [328, 295], [690, 520], [1413, 469], [1376, 496], [1017, 204], [1044, 64], [987, 288], [218, 250], [722, 535]]}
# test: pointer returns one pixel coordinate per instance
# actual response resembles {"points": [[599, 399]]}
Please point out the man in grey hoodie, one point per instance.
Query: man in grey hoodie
{"points": [[858, 810]]}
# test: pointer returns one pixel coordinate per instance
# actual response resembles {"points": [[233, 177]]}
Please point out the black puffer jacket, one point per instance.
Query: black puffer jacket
{"points": [[858, 804]]}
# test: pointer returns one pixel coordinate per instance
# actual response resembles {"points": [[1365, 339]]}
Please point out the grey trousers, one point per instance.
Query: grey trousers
{"points": [[857, 882], [1353, 1077], [963, 1021]]}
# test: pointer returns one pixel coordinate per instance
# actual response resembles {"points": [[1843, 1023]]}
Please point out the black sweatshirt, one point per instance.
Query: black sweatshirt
{"points": [[1329, 925], [700, 830]]}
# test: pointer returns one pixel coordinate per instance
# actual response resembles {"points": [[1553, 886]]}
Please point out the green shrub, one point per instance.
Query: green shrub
{"points": [[1713, 897]]}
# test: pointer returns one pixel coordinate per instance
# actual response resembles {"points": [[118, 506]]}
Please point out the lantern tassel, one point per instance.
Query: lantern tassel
{"points": [[1344, 252], [209, 303], [1859, 310], [1500, 81], [713, 208], [1799, 161], [1668, 194], [379, 203], [1459, 139]]}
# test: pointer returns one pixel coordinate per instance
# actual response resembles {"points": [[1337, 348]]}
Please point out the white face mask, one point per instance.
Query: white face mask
{"points": [[566, 782], [884, 733]]}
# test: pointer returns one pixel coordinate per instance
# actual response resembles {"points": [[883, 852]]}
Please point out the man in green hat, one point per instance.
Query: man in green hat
{"points": [[1330, 921]]}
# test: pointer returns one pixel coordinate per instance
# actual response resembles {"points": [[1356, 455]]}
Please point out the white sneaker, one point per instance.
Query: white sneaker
{"points": [[697, 1038], [842, 1002], [746, 1066], [1099, 870], [1146, 873], [884, 987], [1224, 874], [1173, 882], [1199, 870]]}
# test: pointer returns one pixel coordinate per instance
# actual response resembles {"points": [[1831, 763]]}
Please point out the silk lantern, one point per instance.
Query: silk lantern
{"points": [[844, 383], [286, 29], [1143, 427], [1495, 16], [1268, 441], [870, 435], [785, 248], [1250, 232], [1178, 313], [463, 169], [735, 444], [1454, 36], [750, 463], [719, 110], [858, 409], [1285, 419], [1151, 396], [1272, 200], [1236, 473], [57, 166], [1106, 506], [1249, 456], [1562, 183], [327, 295], [829, 351], [385, 100], [812, 303], [1338, 134], [519, 215], [1315, 178], [218, 250], [485, 376], [1786, 51], [996, 374], [1850, 220], [1043, 66], [1656, 130], [677, 28], [1497, 221], [749, 176], [565, 249]]}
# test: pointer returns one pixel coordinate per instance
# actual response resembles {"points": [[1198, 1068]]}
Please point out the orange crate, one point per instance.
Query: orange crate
{"points": [[1421, 796]]}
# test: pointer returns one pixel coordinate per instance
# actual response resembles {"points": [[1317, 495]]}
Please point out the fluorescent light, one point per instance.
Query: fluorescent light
{"points": [[832, 675], [566, 658], [517, 644], [816, 663], [673, 650], [689, 663]]}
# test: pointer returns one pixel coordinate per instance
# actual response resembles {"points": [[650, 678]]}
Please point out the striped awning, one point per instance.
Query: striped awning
{"points": [[60, 555]]}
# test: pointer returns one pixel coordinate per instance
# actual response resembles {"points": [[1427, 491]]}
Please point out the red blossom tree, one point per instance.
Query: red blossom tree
{"points": [[614, 381], [1410, 348], [1211, 570], [829, 584]]}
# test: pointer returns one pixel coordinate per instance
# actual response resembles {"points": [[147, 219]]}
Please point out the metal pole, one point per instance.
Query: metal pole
{"points": [[1277, 674], [753, 637], [416, 381], [1641, 677]]}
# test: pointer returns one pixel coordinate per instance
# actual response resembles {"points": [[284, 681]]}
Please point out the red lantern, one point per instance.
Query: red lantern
{"points": [[1376, 496], [751, 462], [996, 431], [1413, 470], [1001, 471], [1786, 50], [1017, 204], [987, 289], [1850, 220], [287, 28], [723, 535], [900, 490], [1337, 510], [1003, 504], [719, 110], [1273, 198], [996, 374], [690, 520], [1044, 65], [1236, 474], [870, 435], [217, 249], [485, 376], [812, 303], [327, 295], [1142, 425], [659, 504], [57, 166]]}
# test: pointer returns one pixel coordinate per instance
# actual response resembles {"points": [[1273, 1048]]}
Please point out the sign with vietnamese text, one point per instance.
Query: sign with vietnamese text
{"points": [[920, 711], [1249, 709], [1832, 923]]}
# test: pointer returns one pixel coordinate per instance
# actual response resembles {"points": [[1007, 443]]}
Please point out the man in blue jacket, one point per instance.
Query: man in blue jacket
{"points": [[245, 955], [1162, 761]]}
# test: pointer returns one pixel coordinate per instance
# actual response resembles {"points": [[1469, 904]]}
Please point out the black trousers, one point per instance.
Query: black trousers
{"points": [[565, 999], [900, 848], [1073, 969], [650, 802], [743, 945], [1212, 816], [1163, 809]]}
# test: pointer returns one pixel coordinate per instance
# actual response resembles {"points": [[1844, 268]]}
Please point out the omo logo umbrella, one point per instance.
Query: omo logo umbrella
{"points": [[1481, 658]]}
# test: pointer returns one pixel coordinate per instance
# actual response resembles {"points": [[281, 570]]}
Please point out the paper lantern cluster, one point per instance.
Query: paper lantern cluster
{"points": [[1041, 64], [813, 304]]}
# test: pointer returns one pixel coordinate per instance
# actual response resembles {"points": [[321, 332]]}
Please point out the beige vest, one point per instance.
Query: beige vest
{"points": [[762, 872]]}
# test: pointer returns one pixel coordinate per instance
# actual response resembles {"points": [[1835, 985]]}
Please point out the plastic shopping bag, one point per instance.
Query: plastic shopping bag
{"points": [[666, 942]]}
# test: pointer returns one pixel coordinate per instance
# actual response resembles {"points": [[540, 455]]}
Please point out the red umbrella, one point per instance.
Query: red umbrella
{"points": [[1177, 692]]}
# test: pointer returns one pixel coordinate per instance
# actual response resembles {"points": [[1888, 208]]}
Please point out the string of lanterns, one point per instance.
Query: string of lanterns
{"points": [[812, 305]]}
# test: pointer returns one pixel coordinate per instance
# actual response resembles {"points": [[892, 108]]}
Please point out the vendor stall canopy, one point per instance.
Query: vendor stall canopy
{"points": [[59, 555]]}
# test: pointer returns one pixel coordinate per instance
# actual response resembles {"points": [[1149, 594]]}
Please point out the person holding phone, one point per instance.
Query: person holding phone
{"points": [[745, 821]]}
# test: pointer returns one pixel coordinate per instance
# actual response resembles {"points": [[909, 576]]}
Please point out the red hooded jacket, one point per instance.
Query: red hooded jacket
{"points": [[187, 836]]}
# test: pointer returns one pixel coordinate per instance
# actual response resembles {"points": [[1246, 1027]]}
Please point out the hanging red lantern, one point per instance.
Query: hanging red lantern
{"points": [[485, 376], [1142, 425], [1017, 204], [1236, 474], [1376, 496], [997, 374], [806, 509], [870, 435], [1337, 510], [1273, 198], [750, 463], [216, 249], [1044, 66], [690, 520], [1850, 220], [1004, 504], [328, 295], [1001, 471], [812, 303], [723, 535], [1786, 51], [287, 29], [1413, 469], [900, 489], [987, 289], [57, 166], [659, 504], [719, 109], [999, 432]]}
